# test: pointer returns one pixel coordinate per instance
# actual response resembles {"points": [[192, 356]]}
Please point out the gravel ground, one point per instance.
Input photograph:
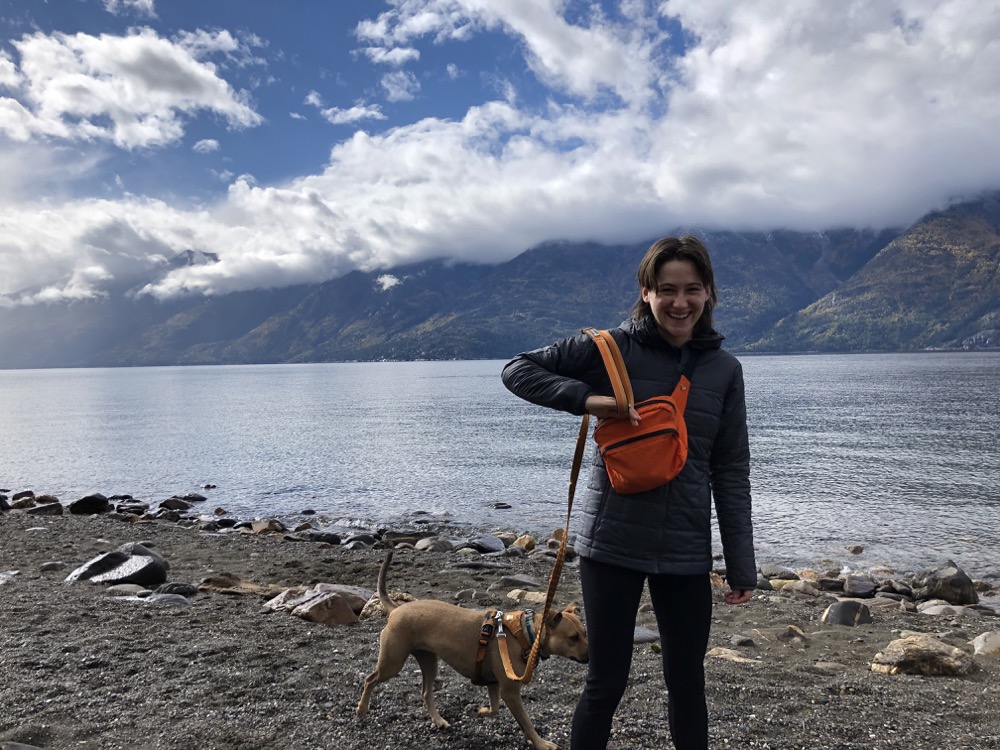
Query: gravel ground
{"points": [[79, 669]]}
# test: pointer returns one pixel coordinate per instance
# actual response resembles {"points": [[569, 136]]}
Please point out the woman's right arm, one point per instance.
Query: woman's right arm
{"points": [[555, 376]]}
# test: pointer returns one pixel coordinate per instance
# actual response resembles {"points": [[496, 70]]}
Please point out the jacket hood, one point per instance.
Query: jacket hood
{"points": [[645, 332]]}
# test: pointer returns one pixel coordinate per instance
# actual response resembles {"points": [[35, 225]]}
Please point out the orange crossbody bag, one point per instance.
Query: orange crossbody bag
{"points": [[640, 458]]}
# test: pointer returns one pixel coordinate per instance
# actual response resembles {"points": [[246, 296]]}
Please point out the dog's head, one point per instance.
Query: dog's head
{"points": [[566, 636]]}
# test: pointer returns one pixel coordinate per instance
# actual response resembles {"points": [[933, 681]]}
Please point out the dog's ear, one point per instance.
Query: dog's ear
{"points": [[555, 618], [570, 609]]}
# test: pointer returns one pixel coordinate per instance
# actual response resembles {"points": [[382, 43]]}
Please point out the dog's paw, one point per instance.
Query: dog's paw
{"points": [[545, 745], [485, 711], [440, 723]]}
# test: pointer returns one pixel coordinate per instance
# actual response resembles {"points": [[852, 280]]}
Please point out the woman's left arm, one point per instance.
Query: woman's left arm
{"points": [[730, 475]]}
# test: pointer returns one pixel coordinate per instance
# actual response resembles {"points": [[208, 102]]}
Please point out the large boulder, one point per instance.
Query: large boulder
{"points": [[948, 582], [117, 567], [922, 655], [91, 505], [848, 612]]}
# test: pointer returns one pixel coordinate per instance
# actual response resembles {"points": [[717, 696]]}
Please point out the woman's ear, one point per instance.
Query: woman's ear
{"points": [[645, 295]]}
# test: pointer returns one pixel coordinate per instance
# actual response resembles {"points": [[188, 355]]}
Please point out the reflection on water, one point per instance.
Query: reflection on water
{"points": [[893, 452]]}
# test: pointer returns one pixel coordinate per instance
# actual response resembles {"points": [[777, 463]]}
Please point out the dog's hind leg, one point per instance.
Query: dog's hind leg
{"points": [[388, 666], [428, 668], [494, 692], [511, 693]]}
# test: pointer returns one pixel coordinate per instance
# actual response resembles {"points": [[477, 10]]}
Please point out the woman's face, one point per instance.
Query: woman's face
{"points": [[678, 300]]}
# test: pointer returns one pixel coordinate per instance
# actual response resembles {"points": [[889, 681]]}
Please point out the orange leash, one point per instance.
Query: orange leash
{"points": [[532, 661]]}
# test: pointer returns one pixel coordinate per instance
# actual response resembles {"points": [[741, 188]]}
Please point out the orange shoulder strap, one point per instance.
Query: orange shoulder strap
{"points": [[615, 365]]}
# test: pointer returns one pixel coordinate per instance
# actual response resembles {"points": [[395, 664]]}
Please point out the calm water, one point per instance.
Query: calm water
{"points": [[897, 453]]}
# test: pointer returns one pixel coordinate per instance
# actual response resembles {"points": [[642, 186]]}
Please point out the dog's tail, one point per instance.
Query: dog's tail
{"points": [[383, 593]]}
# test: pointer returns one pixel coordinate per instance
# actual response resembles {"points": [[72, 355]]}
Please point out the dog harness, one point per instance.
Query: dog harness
{"points": [[497, 624]]}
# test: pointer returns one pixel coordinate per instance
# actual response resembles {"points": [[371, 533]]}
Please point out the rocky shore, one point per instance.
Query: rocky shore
{"points": [[123, 626]]}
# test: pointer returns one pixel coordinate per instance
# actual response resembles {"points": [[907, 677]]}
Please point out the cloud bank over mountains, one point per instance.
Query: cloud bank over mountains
{"points": [[652, 115]]}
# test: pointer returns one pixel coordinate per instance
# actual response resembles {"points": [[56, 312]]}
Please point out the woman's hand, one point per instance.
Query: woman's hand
{"points": [[737, 596], [605, 407]]}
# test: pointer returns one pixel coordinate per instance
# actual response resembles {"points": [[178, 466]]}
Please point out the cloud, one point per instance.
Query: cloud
{"points": [[144, 8], [344, 116], [400, 86], [387, 281], [758, 115], [206, 146], [395, 56], [134, 91]]}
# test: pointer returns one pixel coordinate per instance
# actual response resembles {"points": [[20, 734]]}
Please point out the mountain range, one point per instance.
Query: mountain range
{"points": [[933, 285]]}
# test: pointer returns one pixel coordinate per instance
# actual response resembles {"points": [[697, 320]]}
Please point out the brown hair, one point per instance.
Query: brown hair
{"points": [[665, 249]]}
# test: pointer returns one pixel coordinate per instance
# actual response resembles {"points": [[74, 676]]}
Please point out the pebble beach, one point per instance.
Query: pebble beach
{"points": [[81, 668]]}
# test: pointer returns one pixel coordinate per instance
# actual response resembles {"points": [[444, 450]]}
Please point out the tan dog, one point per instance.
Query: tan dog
{"points": [[430, 629]]}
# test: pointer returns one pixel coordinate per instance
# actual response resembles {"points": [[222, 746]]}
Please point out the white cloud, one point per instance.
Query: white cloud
{"points": [[131, 90], [344, 116], [387, 281], [296, 116], [395, 56], [144, 8], [400, 86], [806, 115], [206, 146], [583, 60], [338, 116]]}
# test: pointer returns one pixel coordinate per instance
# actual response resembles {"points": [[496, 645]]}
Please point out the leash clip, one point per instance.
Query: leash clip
{"points": [[500, 630]]}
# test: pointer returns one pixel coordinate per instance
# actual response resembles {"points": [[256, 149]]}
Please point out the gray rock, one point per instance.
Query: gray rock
{"points": [[117, 567], [127, 589], [484, 543], [145, 571], [847, 612], [4, 504], [922, 655], [95, 566], [46, 509], [521, 581], [434, 544], [145, 549], [645, 635], [948, 582], [181, 589], [175, 503], [366, 540], [91, 505], [777, 571], [859, 587]]}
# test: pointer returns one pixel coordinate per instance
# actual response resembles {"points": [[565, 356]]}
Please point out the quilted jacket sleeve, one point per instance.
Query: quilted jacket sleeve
{"points": [[730, 471], [559, 376]]}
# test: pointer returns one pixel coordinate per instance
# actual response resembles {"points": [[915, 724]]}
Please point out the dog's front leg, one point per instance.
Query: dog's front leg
{"points": [[494, 692], [511, 693]]}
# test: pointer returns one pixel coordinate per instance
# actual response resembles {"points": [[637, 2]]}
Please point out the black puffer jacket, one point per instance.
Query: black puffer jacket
{"points": [[668, 529]]}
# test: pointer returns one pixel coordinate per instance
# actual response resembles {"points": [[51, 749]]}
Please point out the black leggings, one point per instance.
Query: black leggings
{"points": [[683, 606]]}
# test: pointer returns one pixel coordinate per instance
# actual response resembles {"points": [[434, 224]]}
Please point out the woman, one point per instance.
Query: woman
{"points": [[662, 536]]}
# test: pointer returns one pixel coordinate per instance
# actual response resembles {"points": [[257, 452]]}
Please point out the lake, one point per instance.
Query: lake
{"points": [[895, 452]]}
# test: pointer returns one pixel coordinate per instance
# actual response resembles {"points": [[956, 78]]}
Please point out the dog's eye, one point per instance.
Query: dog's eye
{"points": [[575, 638]]}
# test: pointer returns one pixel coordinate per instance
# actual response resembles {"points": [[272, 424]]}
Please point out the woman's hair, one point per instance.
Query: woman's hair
{"points": [[676, 248]]}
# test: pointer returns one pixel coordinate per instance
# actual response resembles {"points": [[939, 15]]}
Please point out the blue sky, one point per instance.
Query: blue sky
{"points": [[300, 140]]}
